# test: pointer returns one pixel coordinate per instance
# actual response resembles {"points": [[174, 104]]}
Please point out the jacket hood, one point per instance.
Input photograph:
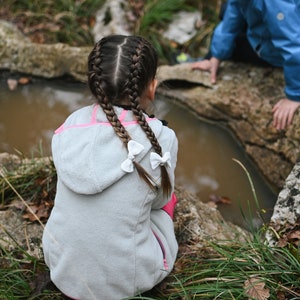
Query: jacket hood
{"points": [[88, 154]]}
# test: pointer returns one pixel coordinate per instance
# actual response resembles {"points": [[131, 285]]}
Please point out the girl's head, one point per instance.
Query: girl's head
{"points": [[122, 68], [122, 71]]}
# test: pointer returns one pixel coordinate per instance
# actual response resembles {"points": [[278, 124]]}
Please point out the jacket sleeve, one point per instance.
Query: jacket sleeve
{"points": [[282, 18], [223, 40]]}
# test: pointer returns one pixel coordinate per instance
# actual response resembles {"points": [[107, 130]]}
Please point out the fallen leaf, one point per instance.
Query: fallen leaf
{"points": [[255, 289], [40, 211], [199, 23], [212, 204], [12, 84], [282, 243], [40, 282], [24, 80], [17, 204], [294, 235], [219, 199], [280, 295], [92, 21]]}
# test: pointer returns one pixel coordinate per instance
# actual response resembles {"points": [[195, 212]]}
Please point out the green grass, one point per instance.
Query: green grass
{"points": [[24, 276], [159, 14], [220, 271], [222, 275], [228, 273], [71, 22], [30, 179], [16, 272], [64, 21]]}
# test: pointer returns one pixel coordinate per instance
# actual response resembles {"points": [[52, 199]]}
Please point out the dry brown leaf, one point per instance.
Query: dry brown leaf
{"points": [[17, 204], [280, 295], [40, 211], [294, 235], [12, 84], [255, 289], [282, 243], [24, 80], [219, 199], [42, 26], [212, 204]]}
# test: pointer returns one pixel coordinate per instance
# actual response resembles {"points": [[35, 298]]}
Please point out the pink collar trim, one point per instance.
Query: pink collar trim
{"points": [[94, 122]]}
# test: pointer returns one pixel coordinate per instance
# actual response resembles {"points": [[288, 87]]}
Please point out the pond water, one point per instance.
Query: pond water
{"points": [[30, 114]]}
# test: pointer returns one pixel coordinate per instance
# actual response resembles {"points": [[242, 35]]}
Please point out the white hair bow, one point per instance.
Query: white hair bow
{"points": [[156, 160], [134, 148]]}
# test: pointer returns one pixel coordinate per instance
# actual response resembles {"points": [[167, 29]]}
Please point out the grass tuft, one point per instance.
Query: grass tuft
{"points": [[64, 21], [247, 270]]}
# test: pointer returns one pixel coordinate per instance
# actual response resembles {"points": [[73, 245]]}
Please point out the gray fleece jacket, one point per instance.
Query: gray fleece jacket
{"points": [[107, 236]]}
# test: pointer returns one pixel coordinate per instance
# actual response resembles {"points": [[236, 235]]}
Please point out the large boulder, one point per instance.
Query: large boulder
{"points": [[242, 101], [284, 226]]}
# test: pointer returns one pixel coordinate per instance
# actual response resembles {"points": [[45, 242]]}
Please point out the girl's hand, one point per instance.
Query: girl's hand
{"points": [[210, 65], [283, 113]]}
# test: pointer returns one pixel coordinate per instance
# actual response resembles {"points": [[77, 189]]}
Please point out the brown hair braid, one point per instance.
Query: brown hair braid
{"points": [[134, 97], [121, 67], [97, 86]]}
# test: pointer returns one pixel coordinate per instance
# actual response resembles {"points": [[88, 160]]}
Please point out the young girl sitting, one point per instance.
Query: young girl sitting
{"points": [[110, 234]]}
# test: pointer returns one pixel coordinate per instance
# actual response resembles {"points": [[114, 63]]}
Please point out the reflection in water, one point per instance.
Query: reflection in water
{"points": [[205, 167], [29, 114]]}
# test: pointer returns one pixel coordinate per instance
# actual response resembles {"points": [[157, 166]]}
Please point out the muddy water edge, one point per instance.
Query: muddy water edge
{"points": [[206, 166]]}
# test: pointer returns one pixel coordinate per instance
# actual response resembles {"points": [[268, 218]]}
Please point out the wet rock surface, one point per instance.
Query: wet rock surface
{"points": [[242, 101]]}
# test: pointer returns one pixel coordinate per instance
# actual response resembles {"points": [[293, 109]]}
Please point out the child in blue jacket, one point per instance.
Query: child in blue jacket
{"points": [[272, 30]]}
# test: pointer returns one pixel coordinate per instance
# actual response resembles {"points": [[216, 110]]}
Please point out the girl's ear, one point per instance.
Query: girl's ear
{"points": [[151, 89]]}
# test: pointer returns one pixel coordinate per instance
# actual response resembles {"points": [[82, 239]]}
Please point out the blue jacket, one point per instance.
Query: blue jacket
{"points": [[273, 30]]}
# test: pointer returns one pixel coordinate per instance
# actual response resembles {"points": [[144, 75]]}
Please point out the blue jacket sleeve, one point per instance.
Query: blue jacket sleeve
{"points": [[224, 36], [282, 18]]}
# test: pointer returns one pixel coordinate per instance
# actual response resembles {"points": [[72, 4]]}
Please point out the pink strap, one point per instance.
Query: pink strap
{"points": [[106, 123], [94, 114], [170, 206], [123, 115], [60, 129]]}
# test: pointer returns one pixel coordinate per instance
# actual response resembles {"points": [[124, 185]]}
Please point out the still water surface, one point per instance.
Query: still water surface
{"points": [[30, 114]]}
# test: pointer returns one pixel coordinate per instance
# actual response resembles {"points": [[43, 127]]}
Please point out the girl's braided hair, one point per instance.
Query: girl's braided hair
{"points": [[121, 67]]}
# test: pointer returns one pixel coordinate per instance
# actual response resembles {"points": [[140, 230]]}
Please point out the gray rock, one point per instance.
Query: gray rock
{"points": [[243, 103], [286, 213], [111, 19], [183, 27], [18, 54]]}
